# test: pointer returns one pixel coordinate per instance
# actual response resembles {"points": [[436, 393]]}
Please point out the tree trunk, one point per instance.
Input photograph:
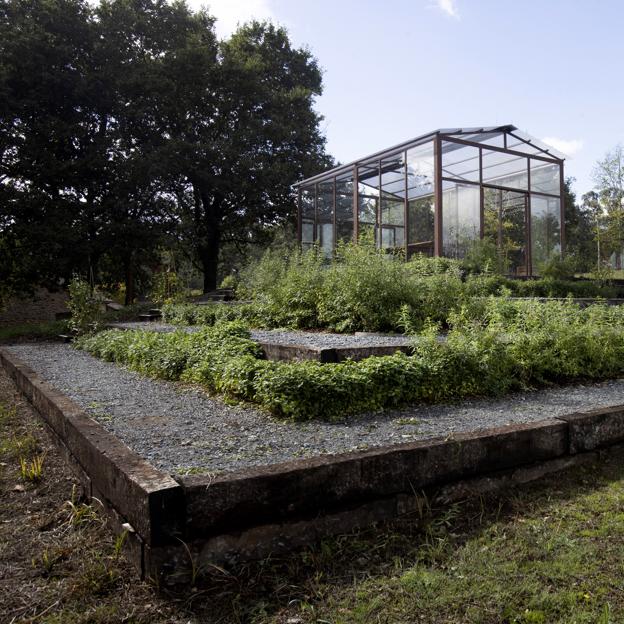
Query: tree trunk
{"points": [[129, 270], [209, 258], [210, 239]]}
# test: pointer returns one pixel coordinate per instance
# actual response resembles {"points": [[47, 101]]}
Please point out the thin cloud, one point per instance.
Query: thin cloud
{"points": [[568, 147], [231, 13], [448, 7]]}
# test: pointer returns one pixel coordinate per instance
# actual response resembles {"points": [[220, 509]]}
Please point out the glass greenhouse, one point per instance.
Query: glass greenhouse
{"points": [[439, 193]]}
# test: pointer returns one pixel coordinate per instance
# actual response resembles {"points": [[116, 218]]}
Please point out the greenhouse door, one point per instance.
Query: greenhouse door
{"points": [[505, 222]]}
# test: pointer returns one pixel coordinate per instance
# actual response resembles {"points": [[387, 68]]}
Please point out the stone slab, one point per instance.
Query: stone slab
{"points": [[595, 429], [292, 352]]}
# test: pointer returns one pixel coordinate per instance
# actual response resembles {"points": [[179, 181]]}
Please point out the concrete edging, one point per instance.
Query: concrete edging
{"points": [[253, 512]]}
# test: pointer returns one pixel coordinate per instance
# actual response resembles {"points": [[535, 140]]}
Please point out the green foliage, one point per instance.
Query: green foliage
{"points": [[208, 314], [602, 273], [229, 281], [494, 345], [167, 288], [481, 257], [284, 286], [364, 289], [111, 149], [32, 470], [42, 330], [85, 307], [558, 268]]}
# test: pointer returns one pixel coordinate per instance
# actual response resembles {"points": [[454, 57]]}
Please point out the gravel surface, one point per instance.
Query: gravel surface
{"points": [[292, 337], [180, 429]]}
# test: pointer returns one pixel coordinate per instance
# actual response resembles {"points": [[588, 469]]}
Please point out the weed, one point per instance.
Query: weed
{"points": [[120, 540], [80, 513], [32, 470], [17, 446]]}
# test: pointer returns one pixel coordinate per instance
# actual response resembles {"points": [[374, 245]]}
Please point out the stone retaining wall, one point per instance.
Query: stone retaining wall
{"points": [[253, 512]]}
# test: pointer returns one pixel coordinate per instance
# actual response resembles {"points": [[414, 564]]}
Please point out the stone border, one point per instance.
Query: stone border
{"points": [[250, 513], [151, 502], [288, 352]]}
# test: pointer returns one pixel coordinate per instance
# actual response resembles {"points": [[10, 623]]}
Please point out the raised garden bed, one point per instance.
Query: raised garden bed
{"points": [[260, 494], [290, 345]]}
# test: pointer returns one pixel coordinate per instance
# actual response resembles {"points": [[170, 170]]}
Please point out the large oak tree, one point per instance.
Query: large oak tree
{"points": [[120, 120]]}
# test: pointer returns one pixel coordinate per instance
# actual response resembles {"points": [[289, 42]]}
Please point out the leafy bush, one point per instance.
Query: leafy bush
{"points": [[85, 306], [208, 314], [366, 289], [558, 268], [494, 345], [362, 288]]}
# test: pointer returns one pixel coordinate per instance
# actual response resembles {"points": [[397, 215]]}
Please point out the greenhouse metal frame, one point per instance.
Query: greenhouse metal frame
{"points": [[440, 193]]}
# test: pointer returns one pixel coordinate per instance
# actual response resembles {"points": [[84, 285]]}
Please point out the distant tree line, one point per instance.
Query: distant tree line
{"points": [[128, 126], [595, 225]]}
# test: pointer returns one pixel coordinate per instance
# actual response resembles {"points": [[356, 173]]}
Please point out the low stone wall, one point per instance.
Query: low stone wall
{"points": [[251, 513], [43, 305], [289, 352]]}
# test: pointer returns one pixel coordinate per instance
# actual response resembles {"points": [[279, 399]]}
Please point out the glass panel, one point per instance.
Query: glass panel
{"points": [[504, 222], [420, 199], [344, 209], [545, 230], [307, 217], [532, 148], [393, 201], [421, 219], [325, 216], [487, 138], [545, 177], [461, 223], [368, 199], [460, 162], [521, 146], [505, 169], [420, 177]]}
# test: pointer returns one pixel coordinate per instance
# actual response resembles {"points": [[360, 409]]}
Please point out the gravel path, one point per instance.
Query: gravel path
{"points": [[292, 337], [180, 429]]}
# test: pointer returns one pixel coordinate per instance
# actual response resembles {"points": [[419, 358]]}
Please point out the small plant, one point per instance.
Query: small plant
{"points": [[229, 281], [85, 307], [32, 470], [7, 413], [120, 540], [603, 273], [167, 288], [80, 513], [558, 268]]}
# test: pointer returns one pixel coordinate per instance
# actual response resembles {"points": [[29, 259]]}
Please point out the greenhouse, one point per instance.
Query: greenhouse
{"points": [[439, 193]]}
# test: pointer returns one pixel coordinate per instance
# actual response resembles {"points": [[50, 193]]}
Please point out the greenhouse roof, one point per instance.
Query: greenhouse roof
{"points": [[514, 141]]}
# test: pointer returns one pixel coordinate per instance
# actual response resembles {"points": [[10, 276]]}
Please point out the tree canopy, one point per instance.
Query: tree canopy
{"points": [[128, 125]]}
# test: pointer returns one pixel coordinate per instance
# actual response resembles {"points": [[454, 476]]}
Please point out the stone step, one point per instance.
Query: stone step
{"points": [[149, 317]]}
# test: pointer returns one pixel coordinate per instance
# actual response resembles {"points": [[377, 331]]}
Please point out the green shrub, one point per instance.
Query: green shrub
{"points": [[365, 289], [494, 345], [85, 306], [558, 268], [208, 314], [360, 289], [43, 330]]}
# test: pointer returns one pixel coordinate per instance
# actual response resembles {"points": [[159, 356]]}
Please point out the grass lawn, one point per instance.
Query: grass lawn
{"points": [[33, 331], [549, 552]]}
